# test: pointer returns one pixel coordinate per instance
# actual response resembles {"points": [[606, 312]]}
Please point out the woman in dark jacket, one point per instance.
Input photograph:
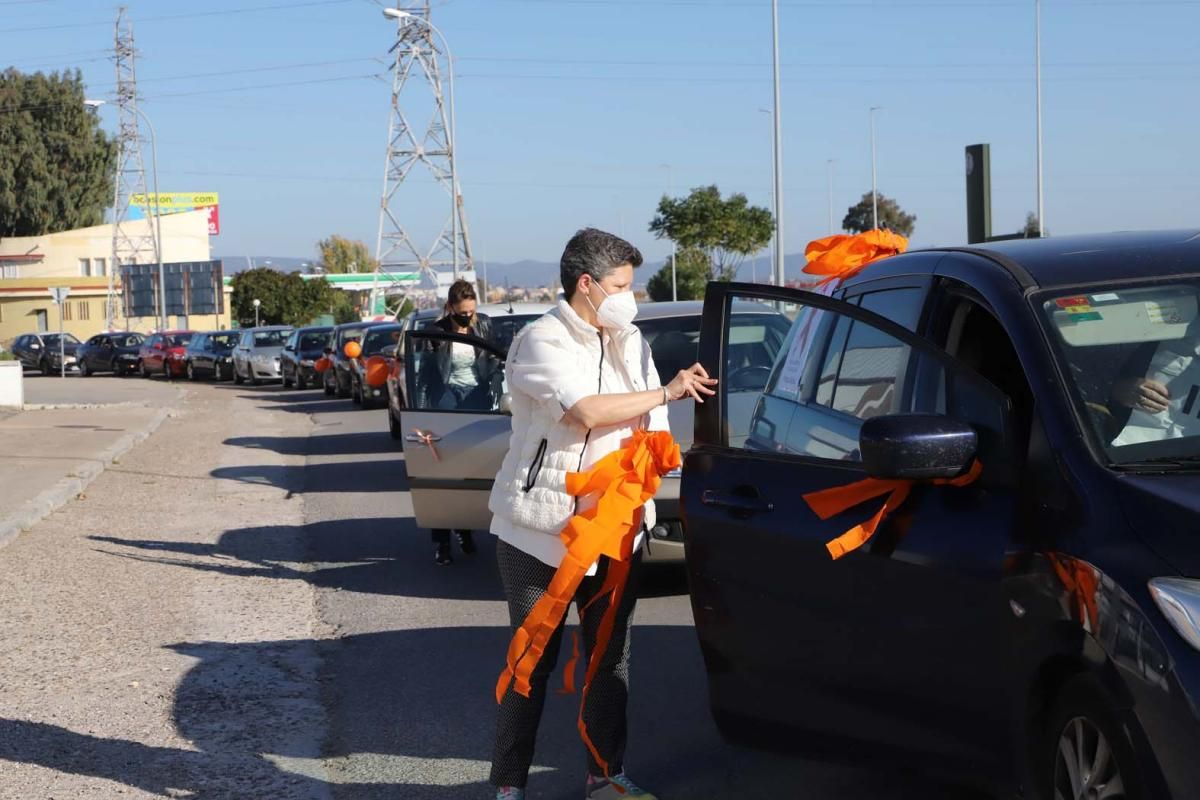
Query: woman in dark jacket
{"points": [[458, 376]]}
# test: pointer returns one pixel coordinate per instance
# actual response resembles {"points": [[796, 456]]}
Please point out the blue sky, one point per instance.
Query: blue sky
{"points": [[569, 110]]}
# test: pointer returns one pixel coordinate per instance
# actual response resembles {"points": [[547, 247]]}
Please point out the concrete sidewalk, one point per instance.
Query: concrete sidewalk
{"points": [[67, 434]]}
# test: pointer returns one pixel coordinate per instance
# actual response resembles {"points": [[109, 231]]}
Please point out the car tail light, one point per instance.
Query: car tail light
{"points": [[1179, 601]]}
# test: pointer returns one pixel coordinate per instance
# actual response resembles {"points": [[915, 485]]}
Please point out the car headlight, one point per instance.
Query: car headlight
{"points": [[1179, 601]]}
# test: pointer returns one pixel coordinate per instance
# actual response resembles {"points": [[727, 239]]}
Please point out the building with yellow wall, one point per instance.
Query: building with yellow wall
{"points": [[80, 259]]}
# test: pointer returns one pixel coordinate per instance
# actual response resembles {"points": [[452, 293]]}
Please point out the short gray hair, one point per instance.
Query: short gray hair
{"points": [[596, 253]]}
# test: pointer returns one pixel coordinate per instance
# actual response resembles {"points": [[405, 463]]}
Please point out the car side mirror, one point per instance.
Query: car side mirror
{"points": [[34, 346], [916, 447], [505, 404]]}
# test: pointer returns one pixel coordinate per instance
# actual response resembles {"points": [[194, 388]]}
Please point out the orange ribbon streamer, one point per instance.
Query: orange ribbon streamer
{"points": [[322, 364], [625, 480], [830, 502], [426, 438], [843, 256], [1079, 579]]}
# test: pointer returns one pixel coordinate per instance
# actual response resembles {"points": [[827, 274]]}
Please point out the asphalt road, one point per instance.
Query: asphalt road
{"points": [[408, 683]]}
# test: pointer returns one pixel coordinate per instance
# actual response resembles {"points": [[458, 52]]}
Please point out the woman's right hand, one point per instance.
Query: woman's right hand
{"points": [[692, 381]]}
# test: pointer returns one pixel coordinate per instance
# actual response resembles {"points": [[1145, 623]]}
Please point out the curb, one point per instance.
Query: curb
{"points": [[61, 493]]}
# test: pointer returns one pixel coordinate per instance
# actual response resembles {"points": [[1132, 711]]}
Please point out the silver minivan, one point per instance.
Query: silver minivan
{"points": [[256, 357]]}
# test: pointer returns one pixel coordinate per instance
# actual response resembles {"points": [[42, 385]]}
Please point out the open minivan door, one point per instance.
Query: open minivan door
{"points": [[456, 428], [856, 647]]}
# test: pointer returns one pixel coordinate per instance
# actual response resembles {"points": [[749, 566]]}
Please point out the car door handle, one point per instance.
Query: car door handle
{"points": [[423, 437], [735, 502]]}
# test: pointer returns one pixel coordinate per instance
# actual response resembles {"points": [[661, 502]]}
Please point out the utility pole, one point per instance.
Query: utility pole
{"points": [[130, 244], [1041, 206], [418, 63], [778, 277]]}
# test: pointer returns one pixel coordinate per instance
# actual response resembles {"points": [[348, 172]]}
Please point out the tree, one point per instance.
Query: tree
{"points": [[724, 230], [340, 255], [692, 273], [287, 299], [1032, 229], [56, 164], [859, 218]]}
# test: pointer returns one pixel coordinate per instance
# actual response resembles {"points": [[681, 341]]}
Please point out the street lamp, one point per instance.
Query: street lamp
{"points": [[158, 242], [1041, 209], [874, 185], [257, 303], [778, 154], [400, 15]]}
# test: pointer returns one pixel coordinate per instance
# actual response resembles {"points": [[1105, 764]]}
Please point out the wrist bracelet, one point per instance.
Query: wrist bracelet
{"points": [[666, 396]]}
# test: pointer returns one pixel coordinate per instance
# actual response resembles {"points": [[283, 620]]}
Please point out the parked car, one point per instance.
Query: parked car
{"points": [[115, 352], [258, 353], [301, 352], [163, 354], [41, 351], [336, 379], [507, 319], [1037, 630], [210, 355], [380, 340], [451, 489]]}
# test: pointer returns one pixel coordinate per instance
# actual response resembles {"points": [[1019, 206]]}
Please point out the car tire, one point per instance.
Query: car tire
{"points": [[356, 394], [142, 368], [342, 393], [167, 371], [329, 389], [254, 381], [45, 366], [287, 382], [394, 426], [237, 376], [191, 372], [114, 367], [1084, 720], [301, 381]]}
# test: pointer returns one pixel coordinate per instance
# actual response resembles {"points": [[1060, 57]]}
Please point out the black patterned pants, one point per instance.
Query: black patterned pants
{"points": [[525, 580]]}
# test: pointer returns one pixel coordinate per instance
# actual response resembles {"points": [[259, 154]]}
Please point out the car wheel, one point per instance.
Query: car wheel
{"points": [[142, 368], [356, 394], [45, 365], [394, 427], [83, 369], [301, 381], [254, 381], [329, 389], [1086, 751], [237, 376], [287, 382], [115, 368], [191, 372], [341, 392], [166, 371]]}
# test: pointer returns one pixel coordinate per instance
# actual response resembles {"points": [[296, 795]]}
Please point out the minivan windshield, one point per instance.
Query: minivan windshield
{"points": [[1132, 357]]}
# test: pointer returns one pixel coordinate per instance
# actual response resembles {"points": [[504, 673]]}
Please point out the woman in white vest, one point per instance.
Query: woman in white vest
{"points": [[582, 380]]}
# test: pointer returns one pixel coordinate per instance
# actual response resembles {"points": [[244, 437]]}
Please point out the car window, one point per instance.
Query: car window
{"points": [[754, 342], [314, 341], [223, 341], [349, 335], [436, 384], [901, 305], [506, 327], [178, 339], [376, 340], [1131, 358], [270, 338], [834, 372], [199, 341]]}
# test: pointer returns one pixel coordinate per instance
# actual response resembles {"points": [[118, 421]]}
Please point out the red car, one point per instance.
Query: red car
{"points": [[162, 354]]}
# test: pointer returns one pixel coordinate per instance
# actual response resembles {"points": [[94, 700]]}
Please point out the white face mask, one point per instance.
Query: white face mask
{"points": [[616, 311]]}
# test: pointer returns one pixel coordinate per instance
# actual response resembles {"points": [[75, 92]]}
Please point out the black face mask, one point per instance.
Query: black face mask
{"points": [[462, 320]]}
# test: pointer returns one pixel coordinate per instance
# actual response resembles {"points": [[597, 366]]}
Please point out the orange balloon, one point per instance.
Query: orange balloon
{"points": [[376, 370], [352, 350], [322, 365]]}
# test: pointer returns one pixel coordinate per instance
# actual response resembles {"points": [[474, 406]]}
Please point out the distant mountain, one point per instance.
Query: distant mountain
{"points": [[231, 265]]}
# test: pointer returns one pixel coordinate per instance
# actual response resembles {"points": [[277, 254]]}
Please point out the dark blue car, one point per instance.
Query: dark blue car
{"points": [[1036, 631]]}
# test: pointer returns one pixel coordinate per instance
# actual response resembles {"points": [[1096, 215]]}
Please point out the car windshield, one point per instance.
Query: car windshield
{"points": [[349, 335], [132, 340], [223, 341], [1132, 359], [270, 338], [51, 339], [377, 339], [178, 340], [754, 340], [314, 341]]}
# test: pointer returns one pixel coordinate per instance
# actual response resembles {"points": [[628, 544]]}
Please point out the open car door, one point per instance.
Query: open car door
{"points": [[455, 433]]}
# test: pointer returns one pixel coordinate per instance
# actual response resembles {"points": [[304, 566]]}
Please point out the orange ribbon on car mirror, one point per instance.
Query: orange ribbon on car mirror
{"points": [[1079, 579], [322, 364], [827, 503], [843, 256], [625, 480]]}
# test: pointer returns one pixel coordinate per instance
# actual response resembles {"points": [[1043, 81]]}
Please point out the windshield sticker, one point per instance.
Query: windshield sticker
{"points": [[1072, 302], [1109, 297], [1164, 312], [1083, 316]]}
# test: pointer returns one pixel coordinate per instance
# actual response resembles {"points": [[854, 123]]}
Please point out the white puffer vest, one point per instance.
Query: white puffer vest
{"points": [[530, 489]]}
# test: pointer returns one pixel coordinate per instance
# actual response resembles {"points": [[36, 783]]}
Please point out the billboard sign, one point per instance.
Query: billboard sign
{"points": [[192, 287], [142, 205]]}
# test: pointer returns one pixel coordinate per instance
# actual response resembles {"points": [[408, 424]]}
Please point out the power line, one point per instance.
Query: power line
{"points": [[192, 15]]}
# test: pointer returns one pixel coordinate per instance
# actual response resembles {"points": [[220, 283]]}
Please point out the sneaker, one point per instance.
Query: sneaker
{"points": [[441, 555], [510, 793], [614, 788], [466, 542]]}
